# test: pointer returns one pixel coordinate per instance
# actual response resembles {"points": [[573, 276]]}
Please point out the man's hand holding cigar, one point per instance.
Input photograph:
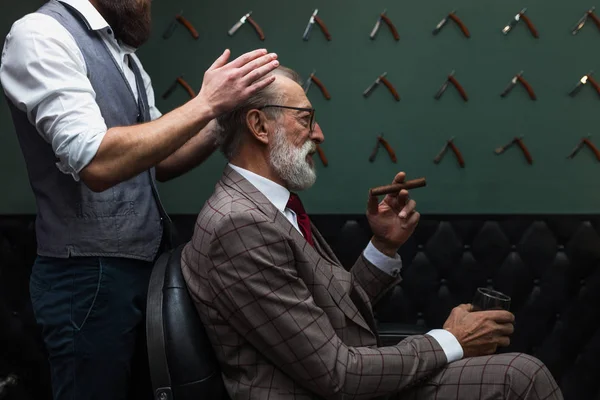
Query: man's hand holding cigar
{"points": [[395, 218]]}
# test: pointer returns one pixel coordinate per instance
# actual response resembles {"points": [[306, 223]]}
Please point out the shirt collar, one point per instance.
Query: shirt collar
{"points": [[94, 20], [274, 192]]}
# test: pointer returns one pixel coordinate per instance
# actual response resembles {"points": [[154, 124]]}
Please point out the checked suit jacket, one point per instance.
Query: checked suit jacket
{"points": [[283, 316]]}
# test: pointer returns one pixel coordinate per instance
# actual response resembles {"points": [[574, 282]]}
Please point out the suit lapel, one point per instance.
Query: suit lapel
{"points": [[322, 246], [325, 263], [339, 281], [357, 299]]}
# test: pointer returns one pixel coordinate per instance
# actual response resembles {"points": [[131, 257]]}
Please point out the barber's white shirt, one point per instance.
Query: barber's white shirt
{"points": [[279, 196], [44, 74]]}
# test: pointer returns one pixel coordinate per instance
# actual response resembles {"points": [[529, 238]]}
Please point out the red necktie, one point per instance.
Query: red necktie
{"points": [[296, 206]]}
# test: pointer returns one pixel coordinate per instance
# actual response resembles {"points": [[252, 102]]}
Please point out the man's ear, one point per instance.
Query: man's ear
{"points": [[258, 125]]}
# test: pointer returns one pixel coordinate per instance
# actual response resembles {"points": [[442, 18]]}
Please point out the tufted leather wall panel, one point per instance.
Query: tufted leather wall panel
{"points": [[550, 265]]}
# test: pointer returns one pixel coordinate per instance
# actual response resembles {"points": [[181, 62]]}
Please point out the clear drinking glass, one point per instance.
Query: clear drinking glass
{"points": [[488, 299]]}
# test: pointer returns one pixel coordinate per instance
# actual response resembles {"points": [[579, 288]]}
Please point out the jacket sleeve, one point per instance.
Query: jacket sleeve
{"points": [[258, 291], [373, 280]]}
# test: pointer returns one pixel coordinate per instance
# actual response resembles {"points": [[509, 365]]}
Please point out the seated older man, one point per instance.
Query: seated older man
{"points": [[287, 320]]}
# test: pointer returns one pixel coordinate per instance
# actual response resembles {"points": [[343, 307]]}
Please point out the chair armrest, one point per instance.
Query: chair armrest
{"points": [[392, 333]]}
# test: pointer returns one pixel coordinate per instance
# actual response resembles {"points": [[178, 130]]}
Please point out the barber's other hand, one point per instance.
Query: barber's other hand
{"points": [[393, 220], [480, 333], [225, 85]]}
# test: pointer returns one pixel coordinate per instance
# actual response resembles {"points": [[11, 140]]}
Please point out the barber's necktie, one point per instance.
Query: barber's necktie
{"points": [[296, 206]]}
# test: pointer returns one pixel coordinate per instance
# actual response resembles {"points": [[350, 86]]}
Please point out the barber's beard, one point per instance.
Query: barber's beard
{"points": [[289, 162], [129, 19]]}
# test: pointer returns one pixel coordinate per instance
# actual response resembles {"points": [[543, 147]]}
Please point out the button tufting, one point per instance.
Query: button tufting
{"points": [[561, 247], [513, 246], [443, 281], [467, 247], [420, 246], [536, 281]]}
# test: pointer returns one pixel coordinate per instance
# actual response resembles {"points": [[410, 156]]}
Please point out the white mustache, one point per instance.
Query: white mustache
{"points": [[309, 148]]}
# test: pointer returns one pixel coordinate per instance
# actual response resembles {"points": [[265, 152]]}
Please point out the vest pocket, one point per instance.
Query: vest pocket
{"points": [[105, 209]]}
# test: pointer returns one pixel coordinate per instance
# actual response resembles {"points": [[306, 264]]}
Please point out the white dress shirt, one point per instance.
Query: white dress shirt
{"points": [[279, 196], [44, 74]]}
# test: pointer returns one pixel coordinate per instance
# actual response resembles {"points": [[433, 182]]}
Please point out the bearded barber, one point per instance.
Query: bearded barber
{"points": [[94, 144]]}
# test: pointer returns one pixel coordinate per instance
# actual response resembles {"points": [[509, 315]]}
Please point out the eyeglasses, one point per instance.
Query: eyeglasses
{"points": [[311, 110]]}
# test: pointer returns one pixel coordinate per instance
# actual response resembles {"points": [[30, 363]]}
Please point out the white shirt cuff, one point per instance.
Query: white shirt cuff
{"points": [[390, 266], [449, 344]]}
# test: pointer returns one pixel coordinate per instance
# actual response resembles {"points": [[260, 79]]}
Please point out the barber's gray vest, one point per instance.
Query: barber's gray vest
{"points": [[123, 221]]}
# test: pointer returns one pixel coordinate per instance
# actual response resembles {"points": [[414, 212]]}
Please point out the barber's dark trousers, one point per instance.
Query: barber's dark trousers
{"points": [[91, 310]]}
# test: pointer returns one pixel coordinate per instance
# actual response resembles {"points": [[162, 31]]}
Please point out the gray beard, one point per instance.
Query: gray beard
{"points": [[290, 163]]}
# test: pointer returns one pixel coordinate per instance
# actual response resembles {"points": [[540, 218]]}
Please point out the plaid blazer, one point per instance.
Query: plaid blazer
{"points": [[280, 313]]}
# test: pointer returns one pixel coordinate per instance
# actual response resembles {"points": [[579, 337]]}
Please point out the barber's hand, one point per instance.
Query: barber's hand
{"points": [[225, 85], [393, 220], [480, 333]]}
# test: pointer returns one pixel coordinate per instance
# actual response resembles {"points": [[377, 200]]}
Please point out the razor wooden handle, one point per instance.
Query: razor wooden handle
{"points": [[458, 87], [527, 87], [188, 25], [397, 187], [321, 86], [595, 85], [459, 157], [526, 152], [589, 143], [389, 23], [256, 27], [594, 18], [390, 87], [319, 21], [187, 87], [534, 31], [462, 26], [388, 148], [322, 156]]}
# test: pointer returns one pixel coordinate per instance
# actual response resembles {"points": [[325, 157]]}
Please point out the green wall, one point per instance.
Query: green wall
{"points": [[418, 125]]}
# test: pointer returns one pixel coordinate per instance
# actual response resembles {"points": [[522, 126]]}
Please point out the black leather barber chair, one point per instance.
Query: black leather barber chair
{"points": [[182, 362]]}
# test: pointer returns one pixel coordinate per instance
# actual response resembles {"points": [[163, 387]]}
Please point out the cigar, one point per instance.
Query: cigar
{"points": [[397, 187]]}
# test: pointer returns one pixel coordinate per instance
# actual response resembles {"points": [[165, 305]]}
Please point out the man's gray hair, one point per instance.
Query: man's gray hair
{"points": [[232, 124]]}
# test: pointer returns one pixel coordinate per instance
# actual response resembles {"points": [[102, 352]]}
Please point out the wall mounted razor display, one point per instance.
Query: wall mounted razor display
{"points": [[382, 79], [452, 17], [247, 18], [518, 78], [315, 18], [383, 17], [521, 17], [458, 86]]}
